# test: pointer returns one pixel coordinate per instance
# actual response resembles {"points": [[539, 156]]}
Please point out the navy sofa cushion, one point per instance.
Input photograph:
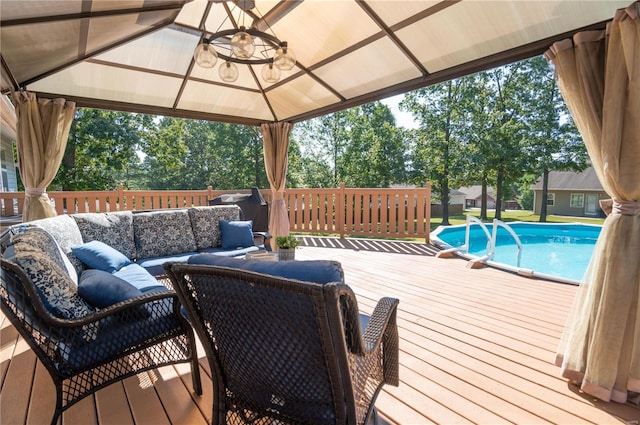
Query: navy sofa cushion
{"points": [[102, 289], [99, 255], [154, 265], [115, 335], [236, 234], [316, 271]]}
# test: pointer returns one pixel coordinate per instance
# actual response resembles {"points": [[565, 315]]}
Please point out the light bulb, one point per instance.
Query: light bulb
{"points": [[205, 55], [284, 58], [270, 73], [242, 45], [228, 71]]}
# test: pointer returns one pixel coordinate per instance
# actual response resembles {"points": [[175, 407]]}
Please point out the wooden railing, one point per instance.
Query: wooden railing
{"points": [[395, 213]]}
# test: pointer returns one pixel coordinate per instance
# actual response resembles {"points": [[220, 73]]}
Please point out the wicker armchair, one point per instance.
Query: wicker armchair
{"points": [[85, 355], [286, 351]]}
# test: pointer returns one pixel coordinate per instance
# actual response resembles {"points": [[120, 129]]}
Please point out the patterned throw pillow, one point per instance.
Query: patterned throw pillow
{"points": [[205, 223], [162, 233], [58, 292], [65, 231], [115, 229], [36, 238]]}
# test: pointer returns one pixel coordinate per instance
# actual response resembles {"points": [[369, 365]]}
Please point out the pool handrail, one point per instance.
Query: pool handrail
{"points": [[465, 248], [499, 223], [476, 220]]}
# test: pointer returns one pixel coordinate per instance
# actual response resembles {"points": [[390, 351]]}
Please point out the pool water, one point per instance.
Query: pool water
{"points": [[562, 250]]}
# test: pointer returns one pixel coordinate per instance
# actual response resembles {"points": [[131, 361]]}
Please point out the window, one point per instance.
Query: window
{"points": [[577, 200], [551, 199]]}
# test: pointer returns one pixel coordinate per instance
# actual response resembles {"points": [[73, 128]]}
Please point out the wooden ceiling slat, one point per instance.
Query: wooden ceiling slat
{"points": [[84, 102], [207, 9], [392, 36]]}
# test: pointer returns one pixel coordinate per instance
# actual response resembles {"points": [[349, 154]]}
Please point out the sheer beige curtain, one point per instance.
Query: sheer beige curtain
{"points": [[276, 156], [599, 76], [42, 131]]}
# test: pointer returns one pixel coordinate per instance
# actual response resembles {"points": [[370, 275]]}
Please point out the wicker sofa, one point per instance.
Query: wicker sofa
{"points": [[151, 238], [87, 292]]}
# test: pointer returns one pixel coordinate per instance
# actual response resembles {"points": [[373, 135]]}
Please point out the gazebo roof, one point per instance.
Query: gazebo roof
{"points": [[137, 55]]}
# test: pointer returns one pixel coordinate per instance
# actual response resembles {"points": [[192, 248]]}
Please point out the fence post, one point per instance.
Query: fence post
{"points": [[340, 215], [428, 212], [209, 193], [121, 205]]}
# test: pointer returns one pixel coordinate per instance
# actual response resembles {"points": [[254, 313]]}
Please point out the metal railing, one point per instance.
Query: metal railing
{"points": [[491, 241], [499, 223], [395, 213]]}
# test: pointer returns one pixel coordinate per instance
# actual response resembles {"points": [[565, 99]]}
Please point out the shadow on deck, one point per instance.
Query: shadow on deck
{"points": [[371, 245]]}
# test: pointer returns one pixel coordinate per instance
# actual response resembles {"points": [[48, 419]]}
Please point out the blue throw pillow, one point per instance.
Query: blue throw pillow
{"points": [[102, 289], [316, 271], [99, 255], [236, 234], [136, 275]]}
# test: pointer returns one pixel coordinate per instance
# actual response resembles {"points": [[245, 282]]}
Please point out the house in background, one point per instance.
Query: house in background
{"points": [[456, 204], [8, 177], [571, 193], [473, 197]]}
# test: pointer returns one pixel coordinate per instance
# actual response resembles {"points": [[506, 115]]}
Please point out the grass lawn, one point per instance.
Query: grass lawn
{"points": [[515, 215]]}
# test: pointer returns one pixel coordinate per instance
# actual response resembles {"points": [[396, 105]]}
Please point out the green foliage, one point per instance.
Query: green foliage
{"points": [[287, 242], [323, 140], [525, 199], [439, 143], [101, 150], [376, 145], [192, 154], [361, 147]]}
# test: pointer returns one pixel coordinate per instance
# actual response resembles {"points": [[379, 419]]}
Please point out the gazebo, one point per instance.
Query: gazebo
{"points": [[310, 58]]}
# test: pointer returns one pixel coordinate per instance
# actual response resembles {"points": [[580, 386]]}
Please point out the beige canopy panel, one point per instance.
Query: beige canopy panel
{"points": [[137, 55]]}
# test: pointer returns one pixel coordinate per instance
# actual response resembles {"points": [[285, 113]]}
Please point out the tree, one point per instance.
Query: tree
{"points": [[192, 154], [306, 171], [324, 140], [374, 154], [102, 147], [439, 142], [502, 144], [553, 142]]}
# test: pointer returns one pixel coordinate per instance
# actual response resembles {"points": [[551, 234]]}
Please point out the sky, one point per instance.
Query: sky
{"points": [[403, 119]]}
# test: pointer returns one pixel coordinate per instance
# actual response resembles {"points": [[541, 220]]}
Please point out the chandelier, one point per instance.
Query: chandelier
{"points": [[248, 46]]}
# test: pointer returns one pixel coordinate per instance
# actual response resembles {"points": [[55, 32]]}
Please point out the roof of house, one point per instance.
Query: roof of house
{"points": [[571, 180], [475, 192]]}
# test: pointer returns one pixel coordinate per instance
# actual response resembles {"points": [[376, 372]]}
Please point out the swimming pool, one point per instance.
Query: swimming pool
{"points": [[555, 251]]}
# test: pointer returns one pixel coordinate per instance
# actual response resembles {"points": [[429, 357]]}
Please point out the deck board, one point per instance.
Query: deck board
{"points": [[144, 402], [476, 346]]}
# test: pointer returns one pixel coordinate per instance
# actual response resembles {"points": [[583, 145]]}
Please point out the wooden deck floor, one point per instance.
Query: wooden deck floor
{"points": [[477, 346]]}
